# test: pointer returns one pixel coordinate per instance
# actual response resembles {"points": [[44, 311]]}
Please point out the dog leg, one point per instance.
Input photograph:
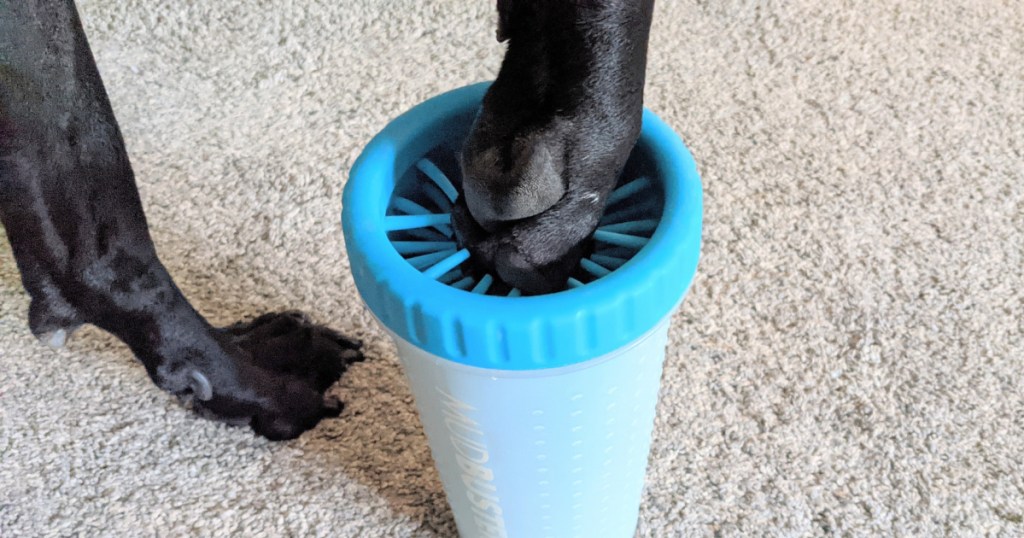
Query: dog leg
{"points": [[72, 213], [553, 135]]}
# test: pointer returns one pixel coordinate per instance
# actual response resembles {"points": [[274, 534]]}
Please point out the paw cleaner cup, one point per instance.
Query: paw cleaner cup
{"points": [[538, 410]]}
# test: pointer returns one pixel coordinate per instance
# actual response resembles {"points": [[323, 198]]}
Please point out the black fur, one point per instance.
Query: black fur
{"points": [[552, 137]]}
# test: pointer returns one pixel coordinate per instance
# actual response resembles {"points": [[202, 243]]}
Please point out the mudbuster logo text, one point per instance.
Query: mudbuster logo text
{"points": [[471, 456]]}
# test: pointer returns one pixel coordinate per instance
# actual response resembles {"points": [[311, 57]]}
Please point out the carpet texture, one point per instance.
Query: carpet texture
{"points": [[849, 361]]}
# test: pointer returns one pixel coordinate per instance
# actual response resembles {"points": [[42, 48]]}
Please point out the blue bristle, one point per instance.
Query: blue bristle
{"points": [[427, 260], [632, 226], [463, 284], [447, 264], [425, 234], [622, 240], [642, 211], [611, 262], [483, 285], [593, 268], [409, 207], [437, 176], [435, 195], [451, 276], [627, 190], [408, 222], [420, 247], [621, 253]]}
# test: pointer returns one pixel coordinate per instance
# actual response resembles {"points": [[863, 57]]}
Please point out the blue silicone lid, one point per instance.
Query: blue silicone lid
{"points": [[419, 285]]}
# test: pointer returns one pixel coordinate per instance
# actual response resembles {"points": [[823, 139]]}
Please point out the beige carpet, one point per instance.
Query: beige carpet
{"points": [[850, 360]]}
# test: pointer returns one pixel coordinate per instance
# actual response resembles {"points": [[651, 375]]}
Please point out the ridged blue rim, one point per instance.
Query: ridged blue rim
{"points": [[516, 333]]}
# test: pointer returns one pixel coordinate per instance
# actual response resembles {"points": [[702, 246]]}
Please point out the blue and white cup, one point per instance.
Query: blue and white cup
{"points": [[538, 410]]}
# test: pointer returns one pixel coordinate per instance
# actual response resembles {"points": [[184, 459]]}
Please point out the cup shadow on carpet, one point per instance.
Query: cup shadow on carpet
{"points": [[379, 442]]}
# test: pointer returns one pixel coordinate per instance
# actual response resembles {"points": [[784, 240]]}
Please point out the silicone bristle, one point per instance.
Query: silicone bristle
{"points": [[483, 285], [631, 212], [420, 247], [407, 222], [463, 284], [612, 251], [447, 264], [611, 262], [428, 260], [426, 234], [451, 277], [621, 240], [593, 268], [633, 226], [627, 190], [409, 207], [437, 176], [436, 196], [515, 293], [573, 283]]}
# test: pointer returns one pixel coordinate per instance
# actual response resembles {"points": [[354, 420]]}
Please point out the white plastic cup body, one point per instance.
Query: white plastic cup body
{"points": [[558, 452]]}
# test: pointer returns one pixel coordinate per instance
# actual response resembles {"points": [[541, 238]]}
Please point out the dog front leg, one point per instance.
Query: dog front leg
{"points": [[72, 214], [553, 135]]}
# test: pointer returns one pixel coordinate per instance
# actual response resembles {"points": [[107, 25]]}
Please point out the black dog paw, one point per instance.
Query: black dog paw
{"points": [[554, 132], [516, 268], [534, 255], [512, 171], [290, 344], [281, 365]]}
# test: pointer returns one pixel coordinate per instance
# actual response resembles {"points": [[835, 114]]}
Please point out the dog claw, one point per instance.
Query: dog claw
{"points": [[57, 339], [201, 387]]}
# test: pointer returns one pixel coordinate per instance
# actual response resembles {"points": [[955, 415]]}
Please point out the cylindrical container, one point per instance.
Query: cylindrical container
{"points": [[538, 410]]}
